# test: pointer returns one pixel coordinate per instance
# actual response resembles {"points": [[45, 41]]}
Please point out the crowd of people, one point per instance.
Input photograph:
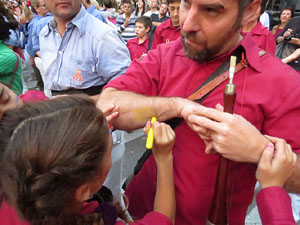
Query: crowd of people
{"points": [[103, 67]]}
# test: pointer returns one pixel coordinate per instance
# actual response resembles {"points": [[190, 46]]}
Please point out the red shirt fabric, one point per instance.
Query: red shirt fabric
{"points": [[8, 216], [268, 95], [264, 38], [165, 33], [274, 206], [277, 32], [136, 49]]}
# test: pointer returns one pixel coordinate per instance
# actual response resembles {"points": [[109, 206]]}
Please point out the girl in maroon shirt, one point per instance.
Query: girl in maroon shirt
{"points": [[58, 156]]}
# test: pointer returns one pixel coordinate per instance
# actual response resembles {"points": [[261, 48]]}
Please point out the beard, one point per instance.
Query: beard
{"points": [[207, 53]]}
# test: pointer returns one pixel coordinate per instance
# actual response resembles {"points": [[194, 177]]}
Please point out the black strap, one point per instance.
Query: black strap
{"points": [[219, 71]]}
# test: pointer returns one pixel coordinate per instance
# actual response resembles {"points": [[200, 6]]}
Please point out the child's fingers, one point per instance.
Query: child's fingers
{"points": [[266, 157], [147, 127], [108, 110], [112, 116]]}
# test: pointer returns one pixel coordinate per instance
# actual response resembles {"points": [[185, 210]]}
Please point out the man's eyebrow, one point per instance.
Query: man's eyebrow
{"points": [[213, 6]]}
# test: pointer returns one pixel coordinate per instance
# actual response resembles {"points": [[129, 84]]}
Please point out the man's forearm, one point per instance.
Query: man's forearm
{"points": [[293, 183], [135, 109]]}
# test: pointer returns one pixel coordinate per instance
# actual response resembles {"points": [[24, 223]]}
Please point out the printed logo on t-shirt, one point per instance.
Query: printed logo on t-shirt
{"points": [[77, 76]]}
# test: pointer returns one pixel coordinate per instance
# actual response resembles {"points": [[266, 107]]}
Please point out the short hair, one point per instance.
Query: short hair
{"points": [[5, 26], [288, 8], [126, 2], [35, 3], [145, 20], [172, 1]]}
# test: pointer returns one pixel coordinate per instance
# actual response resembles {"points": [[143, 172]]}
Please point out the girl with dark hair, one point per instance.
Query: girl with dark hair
{"points": [[58, 156], [140, 9], [10, 62], [285, 15]]}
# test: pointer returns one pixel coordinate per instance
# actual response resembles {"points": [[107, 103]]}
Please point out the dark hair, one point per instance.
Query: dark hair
{"points": [[287, 8], [5, 26], [137, 9], [126, 2], [55, 146], [145, 20], [172, 1]]}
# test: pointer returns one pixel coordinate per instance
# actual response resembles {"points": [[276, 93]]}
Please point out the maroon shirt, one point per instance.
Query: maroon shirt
{"points": [[268, 95], [8, 216], [165, 33], [275, 207], [136, 49], [264, 38]]}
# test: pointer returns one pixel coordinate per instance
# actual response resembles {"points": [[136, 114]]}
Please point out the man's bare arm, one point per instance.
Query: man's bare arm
{"points": [[293, 183], [135, 109]]}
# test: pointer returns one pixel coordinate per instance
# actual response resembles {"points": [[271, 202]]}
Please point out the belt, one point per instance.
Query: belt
{"points": [[95, 90]]}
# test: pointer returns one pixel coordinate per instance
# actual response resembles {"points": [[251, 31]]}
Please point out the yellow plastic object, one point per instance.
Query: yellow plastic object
{"points": [[150, 137]]}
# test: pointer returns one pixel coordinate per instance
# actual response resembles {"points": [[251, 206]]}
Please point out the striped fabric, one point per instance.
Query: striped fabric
{"points": [[126, 32]]}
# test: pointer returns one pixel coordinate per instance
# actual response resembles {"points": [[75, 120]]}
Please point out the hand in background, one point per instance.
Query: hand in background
{"points": [[276, 164]]}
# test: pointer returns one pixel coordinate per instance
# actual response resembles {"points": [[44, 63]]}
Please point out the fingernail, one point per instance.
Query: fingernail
{"points": [[270, 146], [109, 126]]}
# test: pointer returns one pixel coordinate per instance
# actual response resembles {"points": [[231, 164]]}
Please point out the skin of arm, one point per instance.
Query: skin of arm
{"points": [[164, 138], [293, 183], [295, 55], [135, 109]]}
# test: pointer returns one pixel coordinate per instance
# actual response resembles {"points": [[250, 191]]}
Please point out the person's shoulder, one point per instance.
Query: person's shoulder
{"points": [[274, 69], [96, 27], [170, 49]]}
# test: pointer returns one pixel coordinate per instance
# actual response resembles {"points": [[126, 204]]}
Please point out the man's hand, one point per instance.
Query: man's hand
{"points": [[276, 166], [230, 135], [126, 22], [288, 33]]}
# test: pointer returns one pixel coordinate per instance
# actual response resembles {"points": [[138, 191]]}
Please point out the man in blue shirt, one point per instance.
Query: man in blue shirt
{"points": [[40, 10], [81, 54]]}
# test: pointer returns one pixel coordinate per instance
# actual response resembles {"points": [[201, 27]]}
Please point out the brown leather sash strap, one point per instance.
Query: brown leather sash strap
{"points": [[216, 82]]}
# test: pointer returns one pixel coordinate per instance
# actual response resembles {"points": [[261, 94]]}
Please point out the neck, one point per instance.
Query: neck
{"points": [[142, 39], [127, 15], [175, 24], [282, 25], [249, 26], [87, 6], [62, 25], [231, 44], [153, 10]]}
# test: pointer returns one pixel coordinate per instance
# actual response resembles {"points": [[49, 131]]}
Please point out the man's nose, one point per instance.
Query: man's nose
{"points": [[192, 21]]}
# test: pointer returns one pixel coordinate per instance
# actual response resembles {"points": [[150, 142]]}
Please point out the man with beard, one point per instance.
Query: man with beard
{"points": [[170, 29], [160, 84]]}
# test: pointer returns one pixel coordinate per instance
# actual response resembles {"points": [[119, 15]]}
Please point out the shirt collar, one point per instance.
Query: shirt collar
{"points": [[80, 21], [251, 51], [131, 16], [170, 25], [91, 9], [258, 29]]}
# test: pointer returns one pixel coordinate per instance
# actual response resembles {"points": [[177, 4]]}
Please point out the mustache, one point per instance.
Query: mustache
{"points": [[191, 36]]}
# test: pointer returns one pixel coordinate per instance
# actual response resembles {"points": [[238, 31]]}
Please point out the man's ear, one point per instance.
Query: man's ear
{"points": [[250, 12], [147, 29], [83, 193]]}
